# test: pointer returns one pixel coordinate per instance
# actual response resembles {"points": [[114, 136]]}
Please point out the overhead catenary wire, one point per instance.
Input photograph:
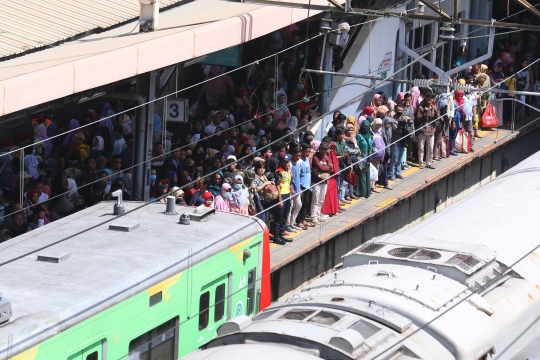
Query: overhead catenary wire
{"points": [[221, 169]]}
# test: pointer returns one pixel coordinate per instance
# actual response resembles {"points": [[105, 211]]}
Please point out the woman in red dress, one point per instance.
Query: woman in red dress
{"points": [[331, 202]]}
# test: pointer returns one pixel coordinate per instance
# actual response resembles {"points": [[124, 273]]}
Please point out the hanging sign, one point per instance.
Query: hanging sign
{"points": [[386, 63]]}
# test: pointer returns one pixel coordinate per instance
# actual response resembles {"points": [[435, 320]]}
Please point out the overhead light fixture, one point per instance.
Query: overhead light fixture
{"points": [[447, 31], [420, 8], [88, 98], [194, 61]]}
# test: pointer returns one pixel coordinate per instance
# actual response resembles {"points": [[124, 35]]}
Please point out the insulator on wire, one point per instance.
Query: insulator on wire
{"points": [[422, 83], [463, 87]]}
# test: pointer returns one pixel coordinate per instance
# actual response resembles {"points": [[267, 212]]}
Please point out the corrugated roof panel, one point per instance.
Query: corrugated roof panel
{"points": [[28, 24]]}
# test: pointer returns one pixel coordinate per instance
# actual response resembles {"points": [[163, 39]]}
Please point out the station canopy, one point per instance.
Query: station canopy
{"points": [[187, 31]]}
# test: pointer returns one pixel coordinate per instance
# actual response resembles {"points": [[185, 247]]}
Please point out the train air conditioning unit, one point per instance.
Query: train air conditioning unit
{"points": [[472, 265]]}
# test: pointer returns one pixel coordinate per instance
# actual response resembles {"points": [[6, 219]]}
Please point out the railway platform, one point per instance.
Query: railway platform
{"points": [[422, 193]]}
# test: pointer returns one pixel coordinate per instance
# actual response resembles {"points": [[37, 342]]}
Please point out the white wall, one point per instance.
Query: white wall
{"points": [[383, 40]]}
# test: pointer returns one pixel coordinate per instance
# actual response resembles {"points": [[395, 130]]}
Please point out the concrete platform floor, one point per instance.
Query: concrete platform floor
{"points": [[416, 179]]}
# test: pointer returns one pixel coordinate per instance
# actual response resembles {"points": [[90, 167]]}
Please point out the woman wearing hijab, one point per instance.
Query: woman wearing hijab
{"points": [[98, 147], [30, 165], [387, 128], [379, 145], [73, 125], [415, 96], [351, 120], [71, 189], [280, 103], [365, 144], [291, 122], [400, 99], [42, 140], [208, 199], [221, 201], [459, 116], [331, 203], [239, 197], [249, 178], [216, 184]]}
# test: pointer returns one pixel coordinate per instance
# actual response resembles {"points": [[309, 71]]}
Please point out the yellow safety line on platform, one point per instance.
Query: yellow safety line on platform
{"points": [[386, 202]]}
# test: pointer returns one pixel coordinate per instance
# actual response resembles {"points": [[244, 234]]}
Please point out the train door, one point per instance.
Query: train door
{"points": [[252, 285], [213, 306]]}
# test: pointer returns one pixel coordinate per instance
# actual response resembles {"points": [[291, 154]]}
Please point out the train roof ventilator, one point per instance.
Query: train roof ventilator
{"points": [[473, 266]]}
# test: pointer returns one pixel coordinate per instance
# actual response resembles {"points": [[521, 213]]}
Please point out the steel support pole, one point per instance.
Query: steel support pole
{"points": [[326, 63], [143, 137]]}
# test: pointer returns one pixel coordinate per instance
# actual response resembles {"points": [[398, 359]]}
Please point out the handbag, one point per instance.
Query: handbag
{"points": [[360, 164], [323, 176], [489, 118], [373, 173]]}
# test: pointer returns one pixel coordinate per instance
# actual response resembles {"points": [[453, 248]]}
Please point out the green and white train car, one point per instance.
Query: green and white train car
{"points": [[140, 286]]}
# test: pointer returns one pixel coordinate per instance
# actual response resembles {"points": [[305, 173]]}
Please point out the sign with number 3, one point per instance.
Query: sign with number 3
{"points": [[177, 110]]}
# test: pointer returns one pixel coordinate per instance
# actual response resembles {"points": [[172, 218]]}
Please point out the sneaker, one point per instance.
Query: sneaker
{"points": [[393, 178], [299, 227], [323, 218], [315, 222], [291, 229], [286, 233], [401, 177]]}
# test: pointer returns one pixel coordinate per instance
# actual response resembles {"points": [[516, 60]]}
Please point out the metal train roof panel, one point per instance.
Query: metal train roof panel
{"points": [[26, 25], [194, 29], [105, 266], [509, 228]]}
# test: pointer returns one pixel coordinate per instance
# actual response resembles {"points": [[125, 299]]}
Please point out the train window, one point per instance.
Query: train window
{"points": [[326, 318], [365, 329], [158, 343], [251, 291], [264, 315], [297, 314], [156, 298], [204, 304], [219, 309], [93, 356]]}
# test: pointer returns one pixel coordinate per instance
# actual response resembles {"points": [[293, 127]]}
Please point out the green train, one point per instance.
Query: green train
{"points": [[97, 286]]}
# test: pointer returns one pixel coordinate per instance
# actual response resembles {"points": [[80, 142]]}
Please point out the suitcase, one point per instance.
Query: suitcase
{"points": [[463, 142], [445, 147]]}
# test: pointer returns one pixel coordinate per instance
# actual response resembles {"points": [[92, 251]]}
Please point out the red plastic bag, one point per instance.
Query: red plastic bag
{"points": [[489, 119]]}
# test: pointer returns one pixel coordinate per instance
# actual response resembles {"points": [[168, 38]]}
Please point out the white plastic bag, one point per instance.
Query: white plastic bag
{"points": [[373, 173]]}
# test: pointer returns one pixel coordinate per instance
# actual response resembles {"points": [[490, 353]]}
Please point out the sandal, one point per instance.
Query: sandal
{"points": [[388, 187], [375, 190], [431, 167], [421, 166]]}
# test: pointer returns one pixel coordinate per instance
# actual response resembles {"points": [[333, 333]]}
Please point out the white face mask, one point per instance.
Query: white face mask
{"points": [[41, 222]]}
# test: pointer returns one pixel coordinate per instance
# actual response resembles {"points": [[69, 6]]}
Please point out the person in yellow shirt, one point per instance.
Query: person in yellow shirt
{"points": [[282, 178]]}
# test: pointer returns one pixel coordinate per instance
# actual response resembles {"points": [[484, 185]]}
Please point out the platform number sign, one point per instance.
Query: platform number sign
{"points": [[177, 110]]}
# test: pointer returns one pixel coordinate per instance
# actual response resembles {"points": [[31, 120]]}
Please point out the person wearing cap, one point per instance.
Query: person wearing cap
{"points": [[282, 178], [320, 170], [82, 148], [296, 200]]}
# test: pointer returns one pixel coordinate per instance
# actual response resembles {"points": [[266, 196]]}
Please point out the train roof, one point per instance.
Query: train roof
{"points": [[103, 266], [502, 217], [250, 351]]}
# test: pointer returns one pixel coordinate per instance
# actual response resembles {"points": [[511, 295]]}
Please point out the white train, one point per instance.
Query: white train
{"points": [[464, 284]]}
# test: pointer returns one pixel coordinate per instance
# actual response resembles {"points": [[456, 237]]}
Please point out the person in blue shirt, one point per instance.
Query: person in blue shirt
{"points": [[305, 184], [296, 200]]}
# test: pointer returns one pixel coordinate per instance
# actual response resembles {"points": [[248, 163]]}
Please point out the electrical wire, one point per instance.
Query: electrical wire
{"points": [[320, 118]]}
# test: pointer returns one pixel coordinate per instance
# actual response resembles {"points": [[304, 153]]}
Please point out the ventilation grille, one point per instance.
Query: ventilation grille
{"points": [[402, 252], [426, 255], [371, 248], [466, 262]]}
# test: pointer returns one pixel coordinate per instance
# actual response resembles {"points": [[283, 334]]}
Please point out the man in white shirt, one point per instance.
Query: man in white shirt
{"points": [[218, 121], [38, 186]]}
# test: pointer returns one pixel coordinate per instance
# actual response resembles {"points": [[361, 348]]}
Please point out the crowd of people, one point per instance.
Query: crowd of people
{"points": [[247, 147]]}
